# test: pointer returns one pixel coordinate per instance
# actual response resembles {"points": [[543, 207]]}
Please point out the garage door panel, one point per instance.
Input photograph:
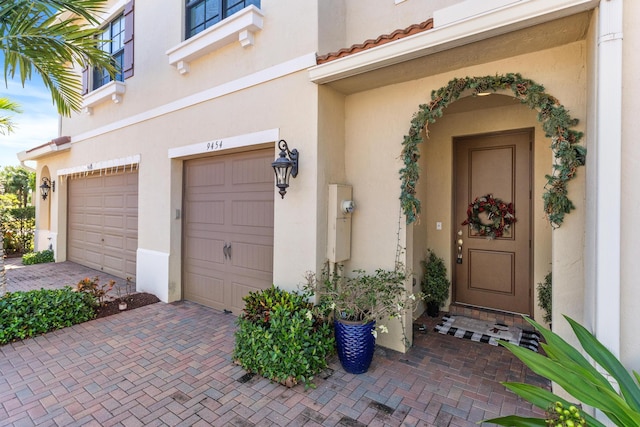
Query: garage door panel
{"points": [[206, 212], [206, 290], [130, 268], [199, 249], [92, 219], [131, 223], [103, 222], [232, 203], [114, 201], [132, 201], [132, 244], [253, 213], [205, 173], [252, 257], [93, 256], [113, 262], [92, 237], [113, 242], [114, 221], [91, 201]]}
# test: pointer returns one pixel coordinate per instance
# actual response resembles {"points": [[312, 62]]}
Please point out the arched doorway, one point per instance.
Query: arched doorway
{"points": [[472, 117]]}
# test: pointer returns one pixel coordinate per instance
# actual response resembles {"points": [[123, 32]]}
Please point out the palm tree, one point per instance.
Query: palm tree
{"points": [[51, 37], [6, 124]]}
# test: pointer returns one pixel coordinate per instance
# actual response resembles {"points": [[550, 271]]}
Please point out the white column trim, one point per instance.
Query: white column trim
{"points": [[608, 175]]}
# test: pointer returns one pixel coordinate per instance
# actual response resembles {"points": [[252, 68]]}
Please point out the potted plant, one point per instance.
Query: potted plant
{"points": [[357, 302], [435, 284]]}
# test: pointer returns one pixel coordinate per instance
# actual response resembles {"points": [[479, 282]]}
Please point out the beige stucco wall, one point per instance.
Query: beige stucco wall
{"points": [[386, 16], [156, 82], [258, 94], [376, 121], [160, 178]]}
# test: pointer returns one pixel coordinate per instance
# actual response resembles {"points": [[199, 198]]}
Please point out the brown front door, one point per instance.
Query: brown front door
{"points": [[228, 228], [494, 273]]}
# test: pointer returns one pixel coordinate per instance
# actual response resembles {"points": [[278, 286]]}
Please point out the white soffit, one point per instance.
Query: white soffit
{"points": [[513, 15]]}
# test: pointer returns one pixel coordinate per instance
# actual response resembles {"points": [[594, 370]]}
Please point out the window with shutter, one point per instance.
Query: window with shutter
{"points": [[116, 39], [202, 14]]}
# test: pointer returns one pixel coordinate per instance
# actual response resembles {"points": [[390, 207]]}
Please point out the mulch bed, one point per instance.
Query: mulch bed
{"points": [[133, 301]]}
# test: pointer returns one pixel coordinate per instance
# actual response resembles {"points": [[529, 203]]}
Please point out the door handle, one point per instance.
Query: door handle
{"points": [[459, 242], [229, 250], [225, 250]]}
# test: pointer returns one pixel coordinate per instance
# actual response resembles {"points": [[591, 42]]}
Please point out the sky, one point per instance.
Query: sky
{"points": [[36, 125]]}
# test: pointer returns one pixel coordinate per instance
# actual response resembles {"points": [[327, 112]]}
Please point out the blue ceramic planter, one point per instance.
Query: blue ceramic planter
{"points": [[355, 344]]}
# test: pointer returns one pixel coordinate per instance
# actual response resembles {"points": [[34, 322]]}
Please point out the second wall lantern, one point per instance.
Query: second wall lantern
{"points": [[45, 187], [284, 166]]}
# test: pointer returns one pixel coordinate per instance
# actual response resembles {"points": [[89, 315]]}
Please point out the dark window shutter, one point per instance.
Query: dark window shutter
{"points": [[127, 68], [85, 80]]}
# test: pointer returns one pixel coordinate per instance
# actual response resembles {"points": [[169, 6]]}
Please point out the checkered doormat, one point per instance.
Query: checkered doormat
{"points": [[487, 332]]}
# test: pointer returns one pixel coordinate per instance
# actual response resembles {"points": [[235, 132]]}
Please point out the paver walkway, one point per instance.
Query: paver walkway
{"points": [[170, 364]]}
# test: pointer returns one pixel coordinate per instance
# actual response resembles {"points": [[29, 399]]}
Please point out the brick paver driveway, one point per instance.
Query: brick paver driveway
{"points": [[170, 364]]}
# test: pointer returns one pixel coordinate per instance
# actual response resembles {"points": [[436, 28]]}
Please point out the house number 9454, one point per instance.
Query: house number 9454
{"points": [[214, 145]]}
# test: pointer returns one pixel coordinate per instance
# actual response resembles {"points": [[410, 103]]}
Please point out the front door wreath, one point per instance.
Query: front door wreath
{"points": [[499, 214]]}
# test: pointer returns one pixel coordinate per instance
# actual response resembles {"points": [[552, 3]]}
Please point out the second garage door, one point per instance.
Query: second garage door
{"points": [[228, 228], [103, 222]]}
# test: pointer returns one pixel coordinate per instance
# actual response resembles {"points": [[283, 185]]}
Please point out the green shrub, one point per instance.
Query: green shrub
{"points": [[581, 378], [282, 337], [435, 285], [544, 297], [26, 314], [38, 257]]}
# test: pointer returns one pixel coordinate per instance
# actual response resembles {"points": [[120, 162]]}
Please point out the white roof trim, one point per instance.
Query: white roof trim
{"points": [[44, 150]]}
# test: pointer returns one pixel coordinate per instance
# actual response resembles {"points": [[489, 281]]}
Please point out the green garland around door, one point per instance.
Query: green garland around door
{"points": [[556, 123]]}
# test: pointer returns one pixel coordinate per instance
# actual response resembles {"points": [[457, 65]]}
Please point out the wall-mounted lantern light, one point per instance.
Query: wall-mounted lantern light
{"points": [[285, 166], [45, 187]]}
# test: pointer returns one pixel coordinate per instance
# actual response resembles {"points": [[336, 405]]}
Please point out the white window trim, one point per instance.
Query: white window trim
{"points": [[113, 90], [240, 26]]}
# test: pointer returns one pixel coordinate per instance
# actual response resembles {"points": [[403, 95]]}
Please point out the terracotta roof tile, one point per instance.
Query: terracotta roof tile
{"points": [[61, 140], [371, 43]]}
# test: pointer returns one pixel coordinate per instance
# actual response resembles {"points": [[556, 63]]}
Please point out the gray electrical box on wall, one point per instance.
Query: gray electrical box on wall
{"points": [[340, 208]]}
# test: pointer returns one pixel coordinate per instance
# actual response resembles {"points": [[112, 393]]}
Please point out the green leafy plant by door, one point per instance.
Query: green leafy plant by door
{"points": [[283, 337], [435, 284], [567, 367], [545, 296]]}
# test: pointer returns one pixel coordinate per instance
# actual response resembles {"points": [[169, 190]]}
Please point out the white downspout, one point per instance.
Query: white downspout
{"points": [[608, 171]]}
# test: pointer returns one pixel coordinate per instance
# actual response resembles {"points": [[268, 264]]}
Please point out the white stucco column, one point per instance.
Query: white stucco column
{"points": [[608, 171]]}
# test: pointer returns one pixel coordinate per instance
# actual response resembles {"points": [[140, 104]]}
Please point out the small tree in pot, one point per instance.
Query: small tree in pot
{"points": [[358, 302], [435, 284]]}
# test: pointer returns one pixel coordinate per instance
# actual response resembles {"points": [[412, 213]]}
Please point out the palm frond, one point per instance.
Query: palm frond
{"points": [[43, 36]]}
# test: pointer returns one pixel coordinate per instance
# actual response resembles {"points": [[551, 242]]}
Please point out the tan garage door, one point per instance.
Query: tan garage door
{"points": [[103, 222], [228, 228]]}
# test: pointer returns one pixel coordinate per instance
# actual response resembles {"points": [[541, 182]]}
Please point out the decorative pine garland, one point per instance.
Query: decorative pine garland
{"points": [[556, 123]]}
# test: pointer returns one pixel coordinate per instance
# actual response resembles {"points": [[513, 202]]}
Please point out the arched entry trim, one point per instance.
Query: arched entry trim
{"points": [[556, 123]]}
